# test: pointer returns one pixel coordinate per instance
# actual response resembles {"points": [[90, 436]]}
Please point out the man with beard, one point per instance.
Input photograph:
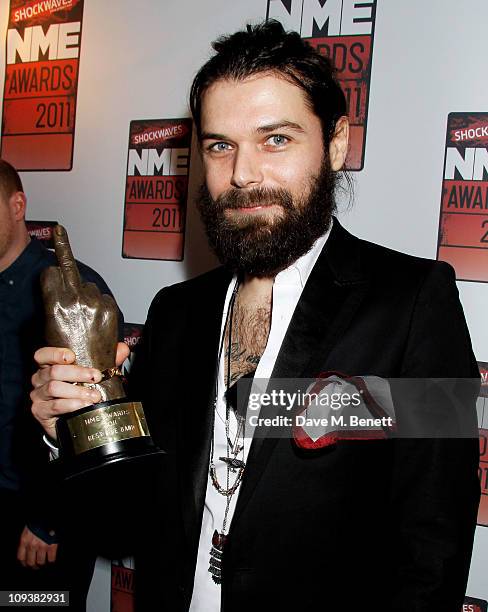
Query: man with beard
{"points": [[234, 524]]}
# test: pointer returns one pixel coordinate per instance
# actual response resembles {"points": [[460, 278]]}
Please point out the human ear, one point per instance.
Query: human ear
{"points": [[18, 203], [339, 144]]}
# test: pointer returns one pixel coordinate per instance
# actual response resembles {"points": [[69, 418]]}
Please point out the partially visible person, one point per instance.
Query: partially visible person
{"points": [[34, 555]]}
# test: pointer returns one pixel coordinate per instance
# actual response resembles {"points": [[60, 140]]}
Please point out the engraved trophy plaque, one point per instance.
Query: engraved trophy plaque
{"points": [[81, 318]]}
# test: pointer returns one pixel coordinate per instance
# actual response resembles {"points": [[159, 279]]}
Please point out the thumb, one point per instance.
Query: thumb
{"points": [[123, 351]]}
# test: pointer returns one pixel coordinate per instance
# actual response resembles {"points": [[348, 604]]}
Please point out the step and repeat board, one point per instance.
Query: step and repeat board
{"points": [[118, 74]]}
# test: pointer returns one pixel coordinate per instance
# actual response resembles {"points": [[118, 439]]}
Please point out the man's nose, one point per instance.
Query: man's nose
{"points": [[247, 169]]}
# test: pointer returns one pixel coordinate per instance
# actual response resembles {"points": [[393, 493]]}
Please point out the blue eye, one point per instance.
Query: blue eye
{"points": [[277, 140], [219, 146]]}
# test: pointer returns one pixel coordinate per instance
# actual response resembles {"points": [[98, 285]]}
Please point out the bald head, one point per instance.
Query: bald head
{"points": [[13, 232], [9, 179]]}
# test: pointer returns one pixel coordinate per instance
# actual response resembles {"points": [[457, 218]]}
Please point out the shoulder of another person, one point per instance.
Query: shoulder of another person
{"points": [[87, 274]]}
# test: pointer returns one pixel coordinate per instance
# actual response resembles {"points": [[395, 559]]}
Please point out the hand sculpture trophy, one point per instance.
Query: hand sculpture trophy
{"points": [[80, 318]]}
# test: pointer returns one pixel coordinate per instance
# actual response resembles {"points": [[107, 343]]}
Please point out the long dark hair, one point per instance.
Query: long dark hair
{"points": [[267, 47]]}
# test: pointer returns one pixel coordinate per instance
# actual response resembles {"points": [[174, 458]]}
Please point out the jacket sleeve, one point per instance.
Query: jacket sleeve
{"points": [[435, 490], [139, 373]]}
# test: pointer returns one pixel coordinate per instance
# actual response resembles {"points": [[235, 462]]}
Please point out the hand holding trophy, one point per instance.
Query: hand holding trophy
{"points": [[80, 318]]}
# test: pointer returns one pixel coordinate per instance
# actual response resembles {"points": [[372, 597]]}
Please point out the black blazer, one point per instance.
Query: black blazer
{"points": [[385, 525]]}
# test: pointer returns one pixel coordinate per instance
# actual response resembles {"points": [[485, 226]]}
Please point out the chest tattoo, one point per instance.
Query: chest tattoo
{"points": [[250, 331]]}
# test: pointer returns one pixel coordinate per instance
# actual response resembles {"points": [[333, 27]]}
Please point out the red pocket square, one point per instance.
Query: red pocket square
{"points": [[317, 426]]}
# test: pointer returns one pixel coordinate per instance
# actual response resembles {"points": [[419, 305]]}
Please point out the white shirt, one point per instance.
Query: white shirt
{"points": [[287, 289]]}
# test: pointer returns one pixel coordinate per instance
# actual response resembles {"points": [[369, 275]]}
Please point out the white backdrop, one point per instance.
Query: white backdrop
{"points": [[137, 62]]}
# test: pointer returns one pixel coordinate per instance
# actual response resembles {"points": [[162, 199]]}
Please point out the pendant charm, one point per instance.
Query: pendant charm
{"points": [[238, 448], [233, 463], [216, 554]]}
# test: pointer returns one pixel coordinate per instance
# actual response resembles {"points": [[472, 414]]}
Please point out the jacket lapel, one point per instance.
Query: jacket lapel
{"points": [[329, 300], [195, 424]]}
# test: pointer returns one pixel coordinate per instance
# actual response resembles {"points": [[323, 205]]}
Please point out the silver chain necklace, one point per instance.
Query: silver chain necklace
{"points": [[233, 463]]}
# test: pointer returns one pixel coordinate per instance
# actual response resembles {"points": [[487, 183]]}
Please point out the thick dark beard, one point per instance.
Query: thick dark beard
{"points": [[263, 247]]}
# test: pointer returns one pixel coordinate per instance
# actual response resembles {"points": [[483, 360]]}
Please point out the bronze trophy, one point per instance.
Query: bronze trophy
{"points": [[80, 318]]}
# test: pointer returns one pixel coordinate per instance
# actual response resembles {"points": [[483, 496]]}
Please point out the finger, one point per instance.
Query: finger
{"points": [[22, 553], [56, 389], [110, 303], [51, 281], [45, 411], [91, 290], [30, 559], [50, 355], [52, 551], [123, 351], [70, 374], [67, 263], [41, 556]]}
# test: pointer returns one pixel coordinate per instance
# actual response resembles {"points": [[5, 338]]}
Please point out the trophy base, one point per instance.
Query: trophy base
{"points": [[131, 453], [103, 435]]}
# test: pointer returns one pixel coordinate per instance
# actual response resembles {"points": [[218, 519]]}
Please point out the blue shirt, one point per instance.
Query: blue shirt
{"points": [[21, 333]]}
